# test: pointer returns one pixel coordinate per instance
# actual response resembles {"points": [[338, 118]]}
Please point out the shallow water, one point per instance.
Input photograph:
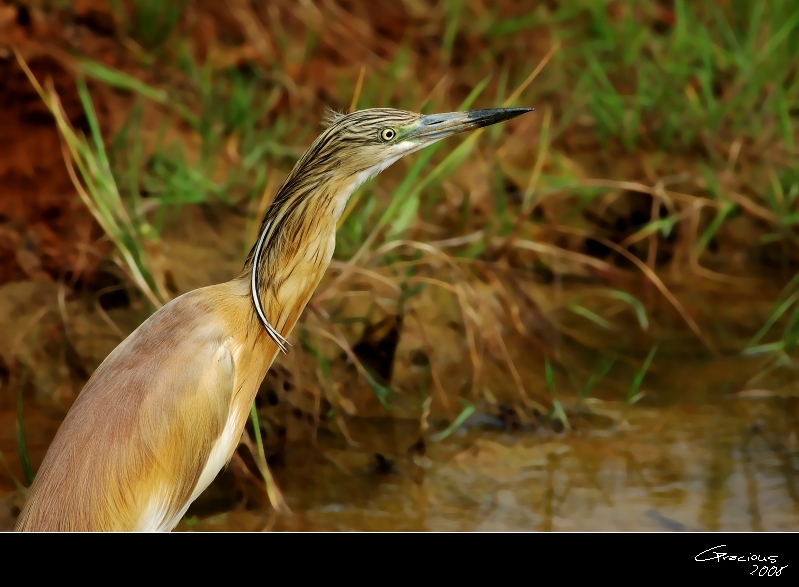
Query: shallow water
{"points": [[680, 468]]}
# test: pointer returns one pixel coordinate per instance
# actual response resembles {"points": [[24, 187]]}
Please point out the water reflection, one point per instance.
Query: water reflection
{"points": [[675, 469]]}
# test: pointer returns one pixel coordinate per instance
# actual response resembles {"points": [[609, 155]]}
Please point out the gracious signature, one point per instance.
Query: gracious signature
{"points": [[713, 554], [723, 556]]}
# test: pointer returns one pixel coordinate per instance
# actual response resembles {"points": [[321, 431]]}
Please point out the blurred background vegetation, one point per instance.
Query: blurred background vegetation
{"points": [[613, 273]]}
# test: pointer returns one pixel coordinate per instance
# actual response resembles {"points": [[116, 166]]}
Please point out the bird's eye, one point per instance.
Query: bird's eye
{"points": [[387, 134]]}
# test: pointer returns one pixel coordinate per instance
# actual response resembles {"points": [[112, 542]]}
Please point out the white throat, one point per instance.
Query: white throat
{"points": [[344, 196]]}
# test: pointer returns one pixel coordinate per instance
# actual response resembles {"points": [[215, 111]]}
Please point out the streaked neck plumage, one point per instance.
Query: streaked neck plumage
{"points": [[298, 231], [295, 245]]}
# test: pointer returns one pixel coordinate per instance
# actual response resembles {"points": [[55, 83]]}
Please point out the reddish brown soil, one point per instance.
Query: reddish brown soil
{"points": [[45, 229]]}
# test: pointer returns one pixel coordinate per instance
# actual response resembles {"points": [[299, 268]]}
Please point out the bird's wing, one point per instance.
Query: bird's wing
{"points": [[193, 437], [145, 432]]}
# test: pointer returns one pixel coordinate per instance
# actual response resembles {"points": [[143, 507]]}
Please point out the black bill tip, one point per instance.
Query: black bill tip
{"points": [[433, 127], [480, 118]]}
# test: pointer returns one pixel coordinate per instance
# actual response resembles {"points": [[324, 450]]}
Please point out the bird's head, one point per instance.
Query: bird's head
{"points": [[356, 146], [365, 142], [300, 224]]}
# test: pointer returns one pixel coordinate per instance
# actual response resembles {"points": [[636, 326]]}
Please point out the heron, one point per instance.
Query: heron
{"points": [[165, 411]]}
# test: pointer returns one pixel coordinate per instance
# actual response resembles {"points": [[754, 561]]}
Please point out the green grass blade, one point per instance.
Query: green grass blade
{"points": [[775, 316], [622, 296], [593, 317], [467, 411], [122, 81], [549, 375], [633, 395]]}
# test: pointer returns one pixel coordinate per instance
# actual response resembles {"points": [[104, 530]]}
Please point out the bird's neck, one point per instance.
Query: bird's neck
{"points": [[297, 240]]}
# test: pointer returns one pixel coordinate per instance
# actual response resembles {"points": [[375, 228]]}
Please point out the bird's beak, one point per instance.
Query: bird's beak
{"points": [[433, 127]]}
